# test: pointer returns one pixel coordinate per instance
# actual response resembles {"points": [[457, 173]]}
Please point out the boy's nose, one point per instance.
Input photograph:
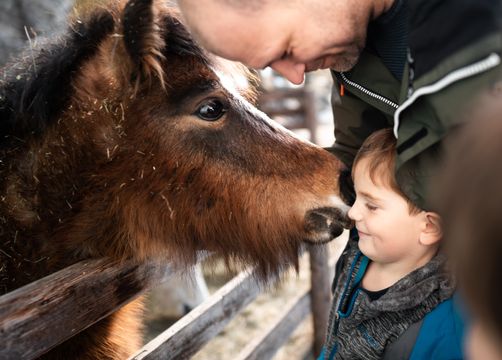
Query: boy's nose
{"points": [[294, 72], [354, 213]]}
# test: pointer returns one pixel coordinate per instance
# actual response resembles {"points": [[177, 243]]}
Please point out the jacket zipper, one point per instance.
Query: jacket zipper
{"points": [[481, 66], [333, 351], [368, 92]]}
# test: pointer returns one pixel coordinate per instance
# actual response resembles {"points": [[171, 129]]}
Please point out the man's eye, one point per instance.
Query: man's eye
{"points": [[286, 54]]}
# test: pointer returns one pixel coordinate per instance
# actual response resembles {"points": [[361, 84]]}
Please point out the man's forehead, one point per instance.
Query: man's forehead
{"points": [[245, 43], [244, 5]]}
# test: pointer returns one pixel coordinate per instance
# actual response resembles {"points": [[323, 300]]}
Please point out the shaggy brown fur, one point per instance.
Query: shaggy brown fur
{"points": [[120, 140]]}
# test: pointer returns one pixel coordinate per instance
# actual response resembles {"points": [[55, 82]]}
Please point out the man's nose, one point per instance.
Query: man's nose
{"points": [[294, 72]]}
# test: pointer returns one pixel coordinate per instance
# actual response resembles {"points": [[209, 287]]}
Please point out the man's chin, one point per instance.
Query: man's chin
{"points": [[344, 63], [340, 62]]}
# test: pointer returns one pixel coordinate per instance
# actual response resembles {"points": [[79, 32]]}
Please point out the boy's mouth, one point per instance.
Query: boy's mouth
{"points": [[362, 233]]}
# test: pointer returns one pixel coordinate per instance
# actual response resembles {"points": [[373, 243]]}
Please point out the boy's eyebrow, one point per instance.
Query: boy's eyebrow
{"points": [[368, 196]]}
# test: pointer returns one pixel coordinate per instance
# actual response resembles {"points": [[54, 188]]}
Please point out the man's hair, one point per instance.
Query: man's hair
{"points": [[469, 198], [380, 150]]}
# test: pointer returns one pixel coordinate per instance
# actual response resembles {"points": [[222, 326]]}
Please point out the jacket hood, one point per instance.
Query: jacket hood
{"points": [[462, 22], [431, 280], [425, 287]]}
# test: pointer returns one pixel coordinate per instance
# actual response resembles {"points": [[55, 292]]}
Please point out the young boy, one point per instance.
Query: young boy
{"points": [[392, 293]]}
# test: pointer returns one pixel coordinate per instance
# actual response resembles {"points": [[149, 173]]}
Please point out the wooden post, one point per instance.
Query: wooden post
{"points": [[311, 115], [320, 293]]}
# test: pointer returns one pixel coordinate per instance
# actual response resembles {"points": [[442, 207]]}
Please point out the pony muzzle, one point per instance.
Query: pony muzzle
{"points": [[324, 224]]}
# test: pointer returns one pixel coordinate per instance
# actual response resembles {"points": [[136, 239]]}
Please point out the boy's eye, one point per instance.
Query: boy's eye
{"points": [[370, 207]]}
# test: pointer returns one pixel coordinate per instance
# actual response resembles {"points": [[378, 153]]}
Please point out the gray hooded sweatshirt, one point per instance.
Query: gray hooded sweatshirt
{"points": [[360, 328]]}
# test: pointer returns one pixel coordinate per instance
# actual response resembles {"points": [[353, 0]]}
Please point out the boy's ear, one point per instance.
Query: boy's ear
{"points": [[432, 230]]}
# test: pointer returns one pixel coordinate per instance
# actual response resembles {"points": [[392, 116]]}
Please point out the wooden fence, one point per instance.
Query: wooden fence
{"points": [[43, 314]]}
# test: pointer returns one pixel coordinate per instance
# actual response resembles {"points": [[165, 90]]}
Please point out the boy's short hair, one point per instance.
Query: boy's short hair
{"points": [[380, 149]]}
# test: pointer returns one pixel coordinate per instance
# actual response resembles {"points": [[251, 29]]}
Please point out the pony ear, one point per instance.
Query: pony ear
{"points": [[143, 40]]}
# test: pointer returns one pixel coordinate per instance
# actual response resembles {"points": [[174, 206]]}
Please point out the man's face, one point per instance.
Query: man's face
{"points": [[291, 38]]}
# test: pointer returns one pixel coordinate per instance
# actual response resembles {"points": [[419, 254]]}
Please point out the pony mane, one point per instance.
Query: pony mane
{"points": [[38, 87], [34, 90]]}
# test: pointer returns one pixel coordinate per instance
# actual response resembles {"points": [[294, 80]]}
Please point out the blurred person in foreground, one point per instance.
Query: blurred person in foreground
{"points": [[393, 292], [414, 65], [469, 196]]}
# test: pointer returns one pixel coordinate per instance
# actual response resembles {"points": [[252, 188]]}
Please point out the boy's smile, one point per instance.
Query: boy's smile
{"points": [[362, 234]]}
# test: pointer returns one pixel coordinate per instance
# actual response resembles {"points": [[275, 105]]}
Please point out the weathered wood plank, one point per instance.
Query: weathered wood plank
{"points": [[45, 313], [266, 345], [320, 281], [189, 334]]}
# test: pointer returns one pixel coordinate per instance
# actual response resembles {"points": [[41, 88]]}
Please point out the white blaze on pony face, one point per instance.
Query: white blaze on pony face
{"points": [[232, 77], [337, 202]]}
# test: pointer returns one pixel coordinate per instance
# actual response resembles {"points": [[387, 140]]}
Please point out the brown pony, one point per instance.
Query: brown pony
{"points": [[124, 139]]}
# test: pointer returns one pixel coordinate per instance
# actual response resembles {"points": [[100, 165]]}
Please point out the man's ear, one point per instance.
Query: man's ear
{"points": [[432, 230]]}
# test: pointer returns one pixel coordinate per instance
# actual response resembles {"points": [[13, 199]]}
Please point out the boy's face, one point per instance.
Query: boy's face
{"points": [[388, 233]]}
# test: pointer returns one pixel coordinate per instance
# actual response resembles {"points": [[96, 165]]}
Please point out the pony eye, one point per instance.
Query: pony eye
{"points": [[211, 110]]}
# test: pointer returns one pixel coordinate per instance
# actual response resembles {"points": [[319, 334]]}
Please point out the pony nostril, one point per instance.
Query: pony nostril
{"points": [[347, 222], [325, 224]]}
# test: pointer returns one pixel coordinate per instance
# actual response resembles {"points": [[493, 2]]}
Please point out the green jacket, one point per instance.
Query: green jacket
{"points": [[453, 57]]}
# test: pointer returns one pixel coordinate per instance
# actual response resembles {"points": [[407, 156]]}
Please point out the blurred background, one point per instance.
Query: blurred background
{"points": [[305, 109]]}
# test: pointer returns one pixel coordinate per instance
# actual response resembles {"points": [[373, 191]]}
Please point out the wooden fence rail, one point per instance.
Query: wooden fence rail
{"points": [[68, 302], [266, 345], [74, 298], [188, 335]]}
